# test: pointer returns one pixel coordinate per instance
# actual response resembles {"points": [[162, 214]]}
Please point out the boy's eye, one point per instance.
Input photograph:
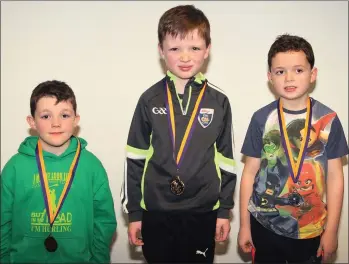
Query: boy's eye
{"points": [[65, 116], [196, 48], [299, 71], [279, 72], [44, 117], [173, 49]]}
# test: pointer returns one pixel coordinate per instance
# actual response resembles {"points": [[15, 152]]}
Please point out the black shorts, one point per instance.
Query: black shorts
{"points": [[183, 237], [274, 248]]}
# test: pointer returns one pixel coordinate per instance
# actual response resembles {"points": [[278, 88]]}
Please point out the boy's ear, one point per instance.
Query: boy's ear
{"points": [[313, 75], [269, 77], [31, 121], [207, 51], [161, 52], [76, 120]]}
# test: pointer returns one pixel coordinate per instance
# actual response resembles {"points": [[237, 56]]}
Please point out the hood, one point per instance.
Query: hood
{"points": [[27, 147]]}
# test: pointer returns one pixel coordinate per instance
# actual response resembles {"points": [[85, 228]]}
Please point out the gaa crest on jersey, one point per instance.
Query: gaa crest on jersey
{"points": [[205, 117]]}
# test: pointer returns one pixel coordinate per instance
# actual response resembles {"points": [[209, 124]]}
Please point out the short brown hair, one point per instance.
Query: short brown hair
{"points": [[57, 89], [287, 42], [180, 20]]}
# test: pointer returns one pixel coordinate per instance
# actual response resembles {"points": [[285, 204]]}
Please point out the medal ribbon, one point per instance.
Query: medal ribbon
{"points": [[44, 181], [295, 167], [190, 127]]}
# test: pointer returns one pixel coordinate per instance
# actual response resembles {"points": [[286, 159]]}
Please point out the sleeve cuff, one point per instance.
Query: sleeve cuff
{"points": [[223, 213], [135, 216]]}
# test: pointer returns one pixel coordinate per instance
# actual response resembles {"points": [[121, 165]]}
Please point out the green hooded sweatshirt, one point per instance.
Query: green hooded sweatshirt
{"points": [[85, 224]]}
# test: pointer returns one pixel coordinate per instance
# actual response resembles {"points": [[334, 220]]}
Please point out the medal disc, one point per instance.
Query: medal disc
{"points": [[51, 244], [177, 186]]}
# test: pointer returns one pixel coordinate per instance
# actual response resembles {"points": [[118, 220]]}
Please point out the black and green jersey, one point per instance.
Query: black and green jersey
{"points": [[208, 167]]}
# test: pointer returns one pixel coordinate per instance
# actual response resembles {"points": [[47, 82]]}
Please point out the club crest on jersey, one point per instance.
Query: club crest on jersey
{"points": [[205, 117]]}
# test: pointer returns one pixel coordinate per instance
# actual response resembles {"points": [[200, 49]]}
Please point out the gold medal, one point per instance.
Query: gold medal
{"points": [[177, 186], [50, 242]]}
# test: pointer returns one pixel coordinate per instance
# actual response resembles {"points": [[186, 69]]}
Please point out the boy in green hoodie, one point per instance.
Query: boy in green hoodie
{"points": [[56, 204]]}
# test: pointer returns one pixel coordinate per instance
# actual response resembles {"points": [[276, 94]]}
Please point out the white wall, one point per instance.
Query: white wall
{"points": [[107, 52]]}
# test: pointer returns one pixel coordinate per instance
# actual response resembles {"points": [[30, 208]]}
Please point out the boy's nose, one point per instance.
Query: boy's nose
{"points": [[289, 77], [184, 57], [55, 123]]}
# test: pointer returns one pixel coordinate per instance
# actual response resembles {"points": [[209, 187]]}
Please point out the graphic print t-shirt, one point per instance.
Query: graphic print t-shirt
{"points": [[288, 208]]}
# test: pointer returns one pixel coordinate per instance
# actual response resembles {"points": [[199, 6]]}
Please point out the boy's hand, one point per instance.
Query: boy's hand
{"points": [[245, 239], [222, 229], [328, 245], [134, 229]]}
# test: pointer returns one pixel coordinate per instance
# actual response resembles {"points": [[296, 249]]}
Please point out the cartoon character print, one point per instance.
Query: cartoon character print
{"points": [[272, 150], [317, 139], [293, 209], [270, 182], [273, 156], [311, 212]]}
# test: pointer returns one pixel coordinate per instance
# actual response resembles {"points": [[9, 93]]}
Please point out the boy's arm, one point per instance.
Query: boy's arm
{"points": [[226, 162], [251, 167], [6, 213], [104, 221], [336, 148], [137, 151], [252, 148], [334, 194]]}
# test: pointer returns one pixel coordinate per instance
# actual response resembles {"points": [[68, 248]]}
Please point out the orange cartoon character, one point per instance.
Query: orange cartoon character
{"points": [[312, 212]]}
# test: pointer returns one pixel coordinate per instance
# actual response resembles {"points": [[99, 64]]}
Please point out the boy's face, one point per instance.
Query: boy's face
{"points": [[184, 57], [291, 75], [55, 123]]}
